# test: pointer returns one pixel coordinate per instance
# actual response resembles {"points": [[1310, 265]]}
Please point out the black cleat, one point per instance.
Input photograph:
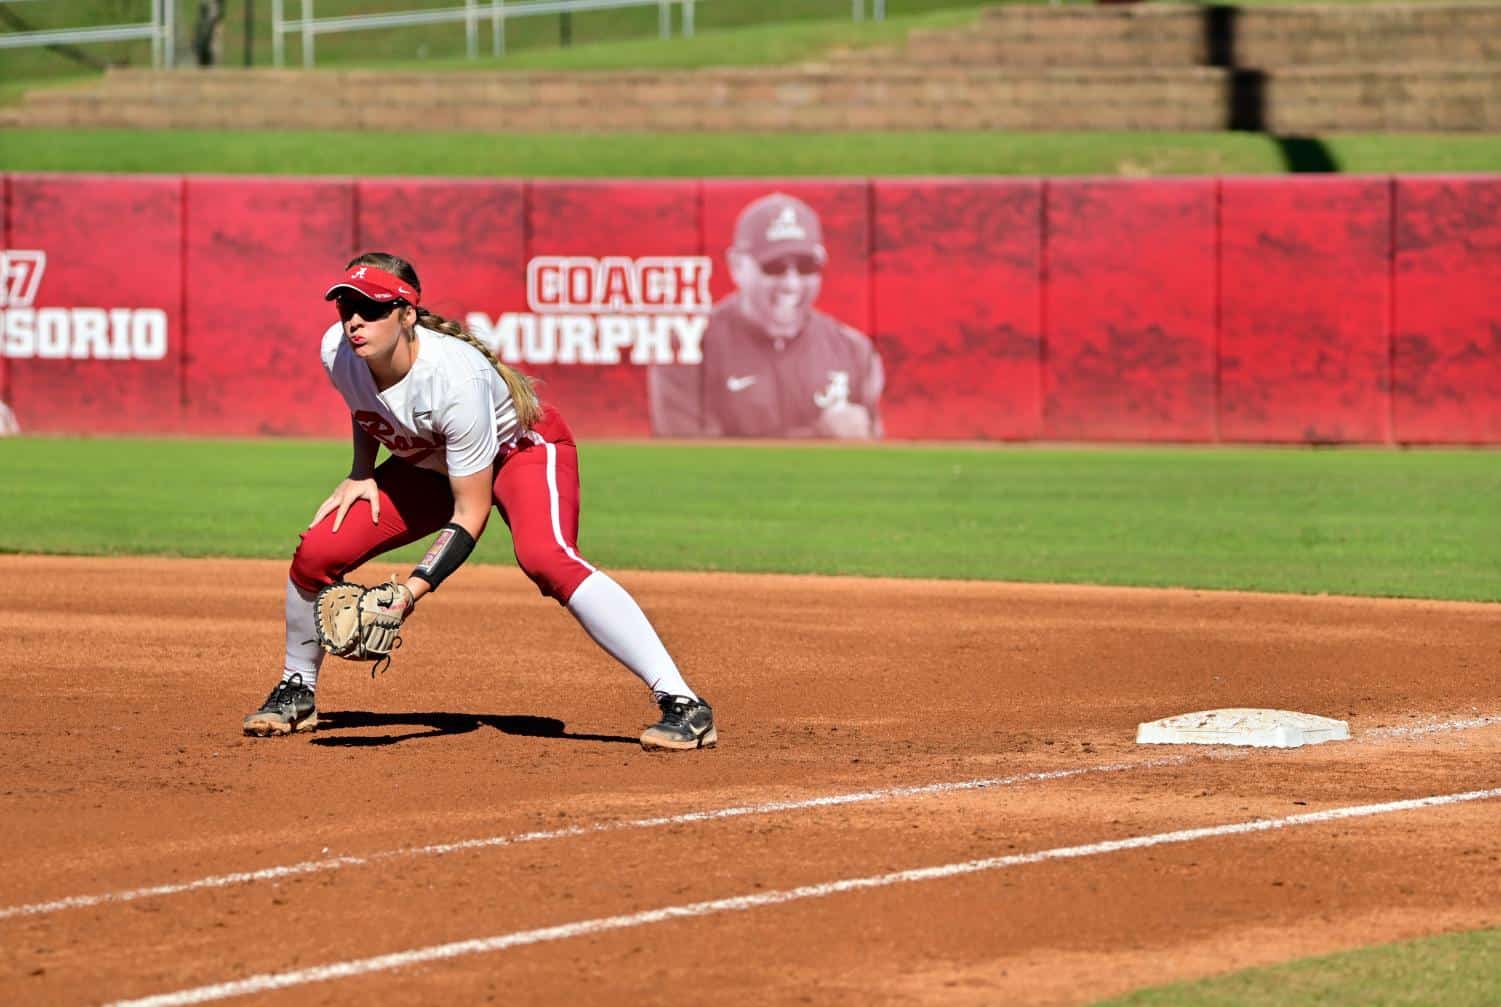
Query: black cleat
{"points": [[685, 724], [289, 708]]}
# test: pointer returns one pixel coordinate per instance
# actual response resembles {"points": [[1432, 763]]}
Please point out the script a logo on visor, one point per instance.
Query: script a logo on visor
{"points": [[803, 265]]}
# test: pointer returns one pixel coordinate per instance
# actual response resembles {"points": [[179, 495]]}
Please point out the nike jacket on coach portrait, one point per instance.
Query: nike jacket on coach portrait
{"points": [[752, 384]]}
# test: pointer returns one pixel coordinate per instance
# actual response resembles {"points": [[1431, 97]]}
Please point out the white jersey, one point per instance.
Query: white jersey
{"points": [[452, 412]]}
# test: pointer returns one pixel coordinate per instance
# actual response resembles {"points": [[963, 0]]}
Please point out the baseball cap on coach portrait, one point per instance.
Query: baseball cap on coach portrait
{"points": [[779, 225]]}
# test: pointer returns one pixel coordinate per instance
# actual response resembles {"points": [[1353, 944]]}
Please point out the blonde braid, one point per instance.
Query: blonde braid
{"points": [[523, 392]]}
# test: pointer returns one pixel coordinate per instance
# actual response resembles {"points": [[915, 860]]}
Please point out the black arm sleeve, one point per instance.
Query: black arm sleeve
{"points": [[452, 546]]}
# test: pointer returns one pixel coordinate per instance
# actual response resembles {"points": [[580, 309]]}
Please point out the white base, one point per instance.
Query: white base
{"points": [[1255, 728]]}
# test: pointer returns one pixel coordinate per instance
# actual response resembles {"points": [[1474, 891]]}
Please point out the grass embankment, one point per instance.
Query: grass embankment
{"points": [[692, 155], [1401, 523]]}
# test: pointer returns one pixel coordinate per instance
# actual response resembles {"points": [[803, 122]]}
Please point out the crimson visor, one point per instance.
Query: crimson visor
{"points": [[376, 284]]}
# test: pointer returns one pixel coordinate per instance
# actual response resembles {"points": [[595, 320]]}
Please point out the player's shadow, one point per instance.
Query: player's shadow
{"points": [[437, 725]]}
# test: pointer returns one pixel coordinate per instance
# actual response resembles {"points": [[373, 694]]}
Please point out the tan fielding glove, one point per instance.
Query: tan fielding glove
{"points": [[361, 623]]}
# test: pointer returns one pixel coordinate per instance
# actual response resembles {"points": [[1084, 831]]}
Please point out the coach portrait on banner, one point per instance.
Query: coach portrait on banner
{"points": [[773, 364]]}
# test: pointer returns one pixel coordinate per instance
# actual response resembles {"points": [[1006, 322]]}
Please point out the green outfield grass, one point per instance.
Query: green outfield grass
{"points": [[1459, 970], [694, 155], [1369, 522]]}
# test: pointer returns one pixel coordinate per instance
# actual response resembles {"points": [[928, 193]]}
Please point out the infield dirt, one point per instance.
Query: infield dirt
{"points": [[126, 679]]}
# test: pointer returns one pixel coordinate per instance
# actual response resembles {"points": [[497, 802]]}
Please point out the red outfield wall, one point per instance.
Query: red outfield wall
{"points": [[1329, 309]]}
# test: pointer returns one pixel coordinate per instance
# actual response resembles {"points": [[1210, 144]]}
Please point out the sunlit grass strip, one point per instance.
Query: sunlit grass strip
{"points": [[1365, 522], [691, 155]]}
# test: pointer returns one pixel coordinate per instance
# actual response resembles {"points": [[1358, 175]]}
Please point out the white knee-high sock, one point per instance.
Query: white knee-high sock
{"points": [[611, 616], [304, 656]]}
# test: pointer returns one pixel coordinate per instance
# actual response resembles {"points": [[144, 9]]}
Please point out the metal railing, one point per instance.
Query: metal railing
{"points": [[497, 12], [161, 30]]}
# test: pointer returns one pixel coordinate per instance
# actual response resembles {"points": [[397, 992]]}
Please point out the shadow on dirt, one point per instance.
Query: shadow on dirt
{"points": [[437, 725]]}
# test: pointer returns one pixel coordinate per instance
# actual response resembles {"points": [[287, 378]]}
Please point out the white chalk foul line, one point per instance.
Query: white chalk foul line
{"points": [[281, 871], [266, 982], [441, 849], [1419, 729]]}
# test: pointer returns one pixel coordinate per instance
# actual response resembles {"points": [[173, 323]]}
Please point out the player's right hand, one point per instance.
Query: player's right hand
{"points": [[344, 496]]}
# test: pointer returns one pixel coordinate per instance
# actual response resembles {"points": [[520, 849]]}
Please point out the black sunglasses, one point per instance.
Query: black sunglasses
{"points": [[803, 265], [350, 305]]}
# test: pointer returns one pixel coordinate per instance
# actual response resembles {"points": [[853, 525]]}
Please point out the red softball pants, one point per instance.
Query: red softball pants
{"points": [[536, 489]]}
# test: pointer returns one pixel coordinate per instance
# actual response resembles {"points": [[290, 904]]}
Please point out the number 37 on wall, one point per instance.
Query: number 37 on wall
{"points": [[20, 276]]}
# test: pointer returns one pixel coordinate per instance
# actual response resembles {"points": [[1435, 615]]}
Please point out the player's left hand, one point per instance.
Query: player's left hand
{"points": [[390, 600], [383, 608]]}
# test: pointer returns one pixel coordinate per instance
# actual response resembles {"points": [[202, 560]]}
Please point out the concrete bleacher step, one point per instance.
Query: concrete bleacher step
{"points": [[1157, 34], [1303, 99]]}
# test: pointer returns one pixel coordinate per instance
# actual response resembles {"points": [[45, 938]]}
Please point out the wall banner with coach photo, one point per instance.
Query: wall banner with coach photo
{"points": [[1291, 310]]}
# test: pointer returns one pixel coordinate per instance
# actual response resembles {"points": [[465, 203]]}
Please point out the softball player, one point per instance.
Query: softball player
{"points": [[463, 431]]}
